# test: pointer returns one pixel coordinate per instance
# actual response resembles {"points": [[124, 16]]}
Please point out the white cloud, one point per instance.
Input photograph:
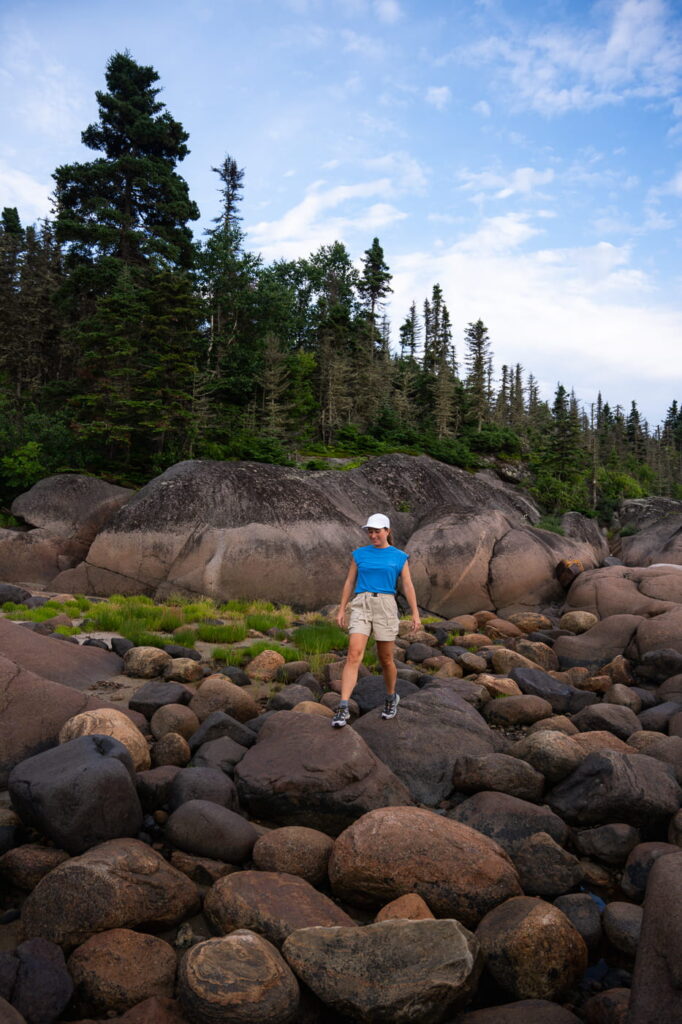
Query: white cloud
{"points": [[483, 108], [365, 46], [407, 173], [37, 89], [555, 70], [438, 96], [388, 11], [311, 224], [578, 316], [522, 181], [31, 197]]}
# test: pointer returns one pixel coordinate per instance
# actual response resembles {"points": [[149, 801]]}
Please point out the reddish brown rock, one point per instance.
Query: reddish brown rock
{"points": [[409, 907], [146, 662], [609, 1007], [271, 904], [219, 693], [240, 979], [117, 969], [24, 866], [524, 1011], [294, 850], [171, 749], [174, 718], [120, 884], [70, 664], [393, 851], [531, 948], [523, 710], [107, 722]]}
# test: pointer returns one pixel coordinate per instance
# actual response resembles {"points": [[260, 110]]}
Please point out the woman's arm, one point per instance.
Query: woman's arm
{"points": [[346, 593], [409, 592]]}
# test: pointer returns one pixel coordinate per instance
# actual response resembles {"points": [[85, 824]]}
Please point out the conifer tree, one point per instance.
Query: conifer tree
{"points": [[477, 363]]}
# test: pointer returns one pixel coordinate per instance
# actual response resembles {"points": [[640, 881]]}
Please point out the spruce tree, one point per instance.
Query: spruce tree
{"points": [[477, 363]]}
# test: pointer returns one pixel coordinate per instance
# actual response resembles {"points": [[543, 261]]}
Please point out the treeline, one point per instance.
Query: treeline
{"points": [[126, 345]]}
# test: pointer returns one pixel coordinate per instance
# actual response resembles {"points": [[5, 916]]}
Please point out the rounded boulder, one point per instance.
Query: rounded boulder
{"points": [[109, 722], [119, 968], [206, 829], [295, 850]]}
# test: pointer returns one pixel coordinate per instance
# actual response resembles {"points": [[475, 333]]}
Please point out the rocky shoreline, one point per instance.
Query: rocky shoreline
{"points": [[206, 849]]}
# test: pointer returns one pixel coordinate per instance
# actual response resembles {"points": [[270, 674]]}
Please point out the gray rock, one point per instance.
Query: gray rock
{"points": [[78, 794], [622, 924], [222, 753], [206, 829], [613, 787], [508, 820], [289, 697], [43, 985], [498, 773], [218, 724], [621, 721], [563, 698], [203, 784], [545, 868], [370, 692], [657, 718], [156, 694], [608, 843], [657, 982], [582, 911], [638, 866]]}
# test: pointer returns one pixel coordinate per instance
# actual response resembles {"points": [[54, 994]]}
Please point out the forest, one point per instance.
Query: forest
{"points": [[127, 345]]}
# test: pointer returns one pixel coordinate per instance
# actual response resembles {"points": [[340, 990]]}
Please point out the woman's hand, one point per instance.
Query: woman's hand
{"points": [[416, 623], [341, 617]]}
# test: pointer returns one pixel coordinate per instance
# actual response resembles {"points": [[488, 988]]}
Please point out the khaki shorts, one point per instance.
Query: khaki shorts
{"points": [[378, 614]]}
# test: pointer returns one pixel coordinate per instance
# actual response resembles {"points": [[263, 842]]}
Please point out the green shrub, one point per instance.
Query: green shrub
{"points": [[185, 637], [629, 530], [551, 523]]}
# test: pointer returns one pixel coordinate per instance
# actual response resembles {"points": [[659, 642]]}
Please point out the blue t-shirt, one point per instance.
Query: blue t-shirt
{"points": [[378, 568]]}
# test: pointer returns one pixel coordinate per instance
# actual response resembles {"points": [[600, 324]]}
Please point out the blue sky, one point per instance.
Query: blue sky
{"points": [[525, 155]]}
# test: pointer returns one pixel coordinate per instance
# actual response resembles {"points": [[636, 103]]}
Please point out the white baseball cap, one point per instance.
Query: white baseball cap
{"points": [[378, 522]]}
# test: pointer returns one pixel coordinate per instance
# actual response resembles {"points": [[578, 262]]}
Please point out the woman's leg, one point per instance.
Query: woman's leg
{"points": [[385, 652], [357, 642]]}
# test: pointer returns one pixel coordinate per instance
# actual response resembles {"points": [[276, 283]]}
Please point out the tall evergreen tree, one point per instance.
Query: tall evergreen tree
{"points": [[375, 279], [477, 363]]}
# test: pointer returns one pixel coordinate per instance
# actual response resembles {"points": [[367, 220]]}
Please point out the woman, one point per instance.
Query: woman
{"points": [[373, 575]]}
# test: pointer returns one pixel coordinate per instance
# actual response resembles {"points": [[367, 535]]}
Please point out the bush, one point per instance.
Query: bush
{"points": [[551, 523], [495, 440]]}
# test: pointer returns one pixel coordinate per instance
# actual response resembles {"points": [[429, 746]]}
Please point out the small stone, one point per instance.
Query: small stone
{"points": [[145, 662], [184, 670], [117, 969], [265, 666], [622, 924], [109, 722], [294, 850], [409, 907], [176, 718], [24, 866], [171, 749], [577, 621]]}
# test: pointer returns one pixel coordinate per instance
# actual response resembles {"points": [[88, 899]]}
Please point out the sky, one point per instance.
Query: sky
{"points": [[524, 154]]}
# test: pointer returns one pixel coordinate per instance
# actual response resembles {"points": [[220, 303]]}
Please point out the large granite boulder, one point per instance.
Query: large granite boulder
{"points": [[657, 980], [398, 971], [620, 590], [610, 786], [117, 969], [656, 542], [508, 820], [599, 645], [70, 505], [301, 772], [393, 851], [78, 794], [120, 884], [421, 744]]}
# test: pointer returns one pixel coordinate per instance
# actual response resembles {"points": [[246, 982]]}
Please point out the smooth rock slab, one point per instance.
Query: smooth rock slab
{"points": [[614, 787], [657, 979], [270, 903], [393, 851], [394, 971], [508, 820], [532, 950], [238, 979], [497, 772], [119, 884], [301, 772]]}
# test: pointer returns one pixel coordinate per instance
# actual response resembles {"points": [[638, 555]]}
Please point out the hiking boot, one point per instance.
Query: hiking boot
{"points": [[341, 716], [390, 706]]}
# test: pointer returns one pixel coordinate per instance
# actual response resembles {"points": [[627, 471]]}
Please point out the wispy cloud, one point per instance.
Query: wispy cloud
{"points": [[388, 11], [555, 70], [366, 46], [483, 108], [31, 197], [37, 89], [522, 181], [312, 223], [438, 96]]}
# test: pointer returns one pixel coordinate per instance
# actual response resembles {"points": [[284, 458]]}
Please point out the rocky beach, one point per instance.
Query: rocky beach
{"points": [[185, 840]]}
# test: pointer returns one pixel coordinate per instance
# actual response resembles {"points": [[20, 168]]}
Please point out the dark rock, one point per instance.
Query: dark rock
{"points": [[154, 786], [289, 696], [120, 645], [421, 744], [657, 978], [545, 868], [657, 718], [309, 680], [370, 691], [582, 911], [638, 866], [206, 829], [613, 787], [178, 651], [610, 1006], [74, 666], [614, 718], [154, 695], [236, 674], [499, 773], [622, 924], [300, 772], [255, 724], [432, 965], [218, 724], [523, 1011], [508, 820], [203, 784], [9, 966], [517, 710], [43, 986], [91, 642], [17, 595], [419, 652], [78, 794], [608, 843], [598, 645], [222, 753], [563, 698], [660, 665]]}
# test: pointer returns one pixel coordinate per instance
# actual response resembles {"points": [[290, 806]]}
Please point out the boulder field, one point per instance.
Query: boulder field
{"points": [[508, 848], [250, 530]]}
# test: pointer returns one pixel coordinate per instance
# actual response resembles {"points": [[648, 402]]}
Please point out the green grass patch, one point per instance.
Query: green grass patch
{"points": [[22, 614], [244, 607], [228, 656], [185, 637], [221, 634], [68, 630], [263, 621], [241, 655], [320, 637]]}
